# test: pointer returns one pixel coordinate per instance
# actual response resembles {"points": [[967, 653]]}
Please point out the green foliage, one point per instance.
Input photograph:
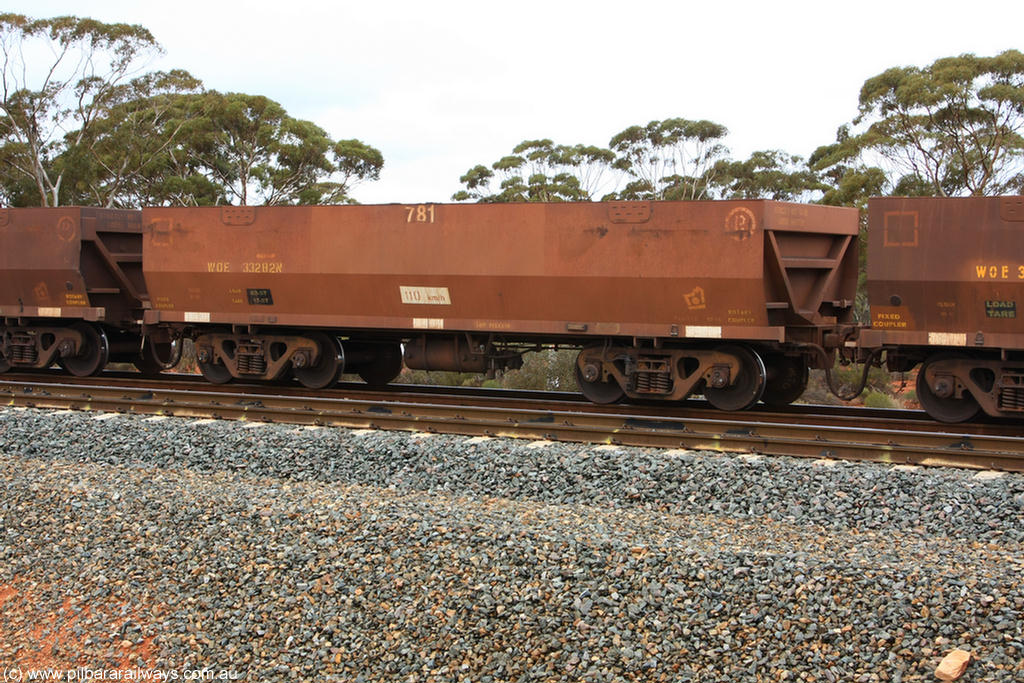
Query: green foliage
{"points": [[951, 128], [539, 171], [848, 376], [674, 159], [770, 174], [883, 389], [549, 370], [848, 181], [876, 399], [125, 156], [670, 159], [354, 161], [252, 152], [43, 122], [242, 144], [89, 133], [204, 148]]}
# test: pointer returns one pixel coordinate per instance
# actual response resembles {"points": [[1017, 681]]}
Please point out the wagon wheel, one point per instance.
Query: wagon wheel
{"points": [[747, 388], [944, 409], [328, 366], [93, 352], [385, 366], [593, 388], [787, 380], [215, 373], [5, 365]]}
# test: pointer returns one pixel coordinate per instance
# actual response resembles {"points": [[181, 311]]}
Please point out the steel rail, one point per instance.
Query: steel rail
{"points": [[458, 394], [897, 442], [891, 418]]}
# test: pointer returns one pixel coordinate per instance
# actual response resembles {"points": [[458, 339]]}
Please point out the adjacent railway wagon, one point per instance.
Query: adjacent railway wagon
{"points": [[945, 276], [730, 299], [72, 289]]}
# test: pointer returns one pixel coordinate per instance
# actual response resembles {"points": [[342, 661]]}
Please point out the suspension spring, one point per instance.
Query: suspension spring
{"points": [[661, 383], [643, 382], [251, 360], [23, 350]]}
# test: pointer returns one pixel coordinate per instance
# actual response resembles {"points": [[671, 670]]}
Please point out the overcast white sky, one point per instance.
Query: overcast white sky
{"points": [[441, 86]]}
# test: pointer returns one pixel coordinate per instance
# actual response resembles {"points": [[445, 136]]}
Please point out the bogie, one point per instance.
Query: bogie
{"points": [[732, 377]]}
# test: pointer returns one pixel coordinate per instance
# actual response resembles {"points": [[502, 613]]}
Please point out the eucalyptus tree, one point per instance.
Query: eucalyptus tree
{"points": [[126, 154], [951, 128], [670, 159], [540, 171], [354, 162], [256, 153], [58, 76], [767, 174]]}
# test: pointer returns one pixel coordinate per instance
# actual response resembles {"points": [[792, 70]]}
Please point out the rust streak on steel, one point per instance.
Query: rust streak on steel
{"points": [[629, 426]]}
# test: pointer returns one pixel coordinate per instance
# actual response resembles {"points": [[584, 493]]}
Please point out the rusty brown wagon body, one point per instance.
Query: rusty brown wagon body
{"points": [[945, 281], [641, 282], [731, 299], [71, 287]]}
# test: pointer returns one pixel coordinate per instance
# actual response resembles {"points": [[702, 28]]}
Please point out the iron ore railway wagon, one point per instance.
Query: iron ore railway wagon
{"points": [[944, 280], [734, 300]]}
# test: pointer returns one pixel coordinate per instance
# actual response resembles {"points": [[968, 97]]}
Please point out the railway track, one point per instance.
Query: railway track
{"points": [[892, 436]]}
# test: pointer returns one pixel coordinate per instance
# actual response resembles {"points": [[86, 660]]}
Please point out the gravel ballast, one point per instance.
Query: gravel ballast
{"points": [[270, 552]]}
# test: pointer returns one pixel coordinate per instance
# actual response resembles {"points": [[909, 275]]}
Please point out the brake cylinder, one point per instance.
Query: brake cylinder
{"points": [[449, 354]]}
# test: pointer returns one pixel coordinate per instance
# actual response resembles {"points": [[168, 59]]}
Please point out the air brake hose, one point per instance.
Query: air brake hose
{"points": [[863, 378]]}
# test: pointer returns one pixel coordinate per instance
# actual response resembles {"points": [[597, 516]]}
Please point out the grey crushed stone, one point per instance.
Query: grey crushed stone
{"points": [[283, 553]]}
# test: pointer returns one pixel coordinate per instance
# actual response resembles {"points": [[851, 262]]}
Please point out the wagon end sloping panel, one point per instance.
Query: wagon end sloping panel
{"points": [[39, 262], [71, 262], [811, 265]]}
